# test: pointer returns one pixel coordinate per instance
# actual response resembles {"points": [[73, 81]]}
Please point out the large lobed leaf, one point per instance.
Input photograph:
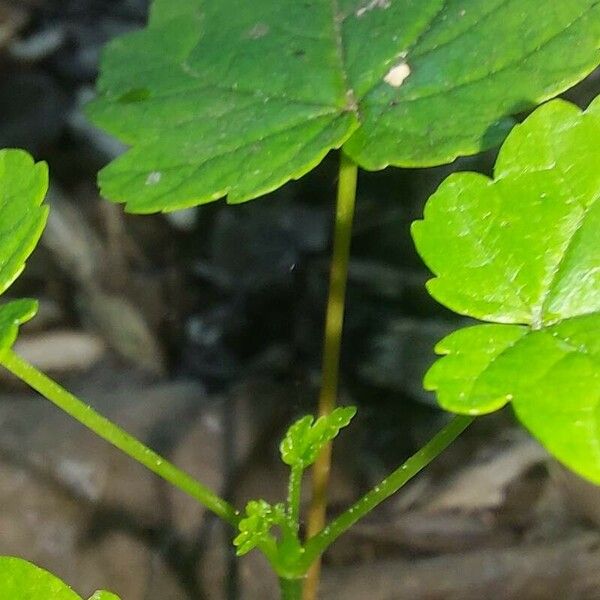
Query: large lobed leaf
{"points": [[23, 185], [22, 580], [235, 98], [523, 252]]}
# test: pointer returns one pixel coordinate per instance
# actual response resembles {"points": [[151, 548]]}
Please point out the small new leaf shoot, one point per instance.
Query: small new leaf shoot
{"points": [[255, 527], [307, 437], [522, 251]]}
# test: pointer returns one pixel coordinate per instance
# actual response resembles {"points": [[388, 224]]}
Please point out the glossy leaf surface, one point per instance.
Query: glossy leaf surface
{"points": [[523, 252], [22, 580], [23, 186], [234, 98]]}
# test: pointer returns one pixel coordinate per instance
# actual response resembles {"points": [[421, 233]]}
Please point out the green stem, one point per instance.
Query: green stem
{"points": [[291, 589], [117, 437], [390, 485], [346, 200], [294, 492]]}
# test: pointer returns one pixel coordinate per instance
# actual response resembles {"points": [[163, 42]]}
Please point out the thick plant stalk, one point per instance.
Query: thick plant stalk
{"points": [[116, 436], [346, 200], [291, 589]]}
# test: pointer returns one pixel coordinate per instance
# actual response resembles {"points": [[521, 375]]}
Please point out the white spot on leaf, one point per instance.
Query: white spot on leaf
{"points": [[397, 75], [153, 178], [258, 31], [382, 4]]}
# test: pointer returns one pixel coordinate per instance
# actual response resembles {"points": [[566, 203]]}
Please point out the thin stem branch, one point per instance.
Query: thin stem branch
{"points": [[389, 486], [116, 436], [294, 496], [346, 200]]}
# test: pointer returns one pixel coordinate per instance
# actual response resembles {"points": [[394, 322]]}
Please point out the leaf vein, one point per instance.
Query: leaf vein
{"points": [[547, 297]]}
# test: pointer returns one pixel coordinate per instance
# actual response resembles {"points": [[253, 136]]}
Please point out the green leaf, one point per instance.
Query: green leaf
{"points": [[255, 528], [23, 185], [12, 315], [21, 580], [307, 437], [523, 251], [234, 98]]}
